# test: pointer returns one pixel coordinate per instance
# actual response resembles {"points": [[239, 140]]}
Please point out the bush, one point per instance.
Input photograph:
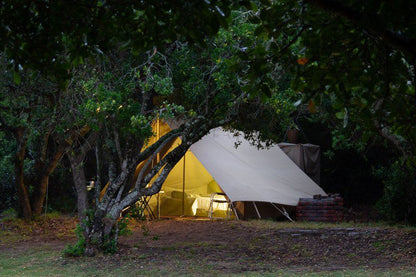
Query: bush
{"points": [[7, 186], [399, 200], [78, 248], [108, 244], [10, 213]]}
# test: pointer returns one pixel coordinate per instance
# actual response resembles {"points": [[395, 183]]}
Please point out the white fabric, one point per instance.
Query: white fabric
{"points": [[249, 174], [203, 203]]}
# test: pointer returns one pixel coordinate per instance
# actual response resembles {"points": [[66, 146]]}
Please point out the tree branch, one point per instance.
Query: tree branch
{"points": [[130, 165], [384, 132], [150, 159], [118, 147]]}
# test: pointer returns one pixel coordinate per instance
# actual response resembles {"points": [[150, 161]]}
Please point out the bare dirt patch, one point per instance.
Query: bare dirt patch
{"points": [[189, 246], [243, 246]]}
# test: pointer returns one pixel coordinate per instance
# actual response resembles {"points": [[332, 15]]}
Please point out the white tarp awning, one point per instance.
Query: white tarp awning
{"points": [[250, 174]]}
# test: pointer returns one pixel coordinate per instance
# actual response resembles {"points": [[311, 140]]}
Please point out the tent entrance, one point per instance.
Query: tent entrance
{"points": [[187, 192], [188, 187]]}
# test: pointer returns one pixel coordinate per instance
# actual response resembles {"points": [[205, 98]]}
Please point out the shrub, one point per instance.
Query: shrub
{"points": [[399, 200], [10, 213], [78, 248]]}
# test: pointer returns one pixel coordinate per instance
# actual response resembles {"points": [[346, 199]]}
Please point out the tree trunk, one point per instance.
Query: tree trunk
{"points": [[101, 228], [100, 234], [22, 192], [292, 135], [80, 182], [40, 194], [42, 185]]}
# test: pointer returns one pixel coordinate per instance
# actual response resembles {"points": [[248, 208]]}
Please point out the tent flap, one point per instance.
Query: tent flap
{"points": [[250, 174]]}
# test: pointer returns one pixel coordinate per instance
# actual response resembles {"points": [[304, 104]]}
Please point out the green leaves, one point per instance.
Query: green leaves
{"points": [[344, 116], [349, 64], [139, 121], [49, 36], [163, 85], [16, 78]]}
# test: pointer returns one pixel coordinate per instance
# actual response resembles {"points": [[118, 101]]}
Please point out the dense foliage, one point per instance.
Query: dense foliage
{"points": [[41, 44], [7, 188], [355, 65], [54, 36], [399, 200], [88, 80]]}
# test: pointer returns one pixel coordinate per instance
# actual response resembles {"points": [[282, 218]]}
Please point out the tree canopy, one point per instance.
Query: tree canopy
{"points": [[110, 100], [352, 61], [93, 76], [53, 36]]}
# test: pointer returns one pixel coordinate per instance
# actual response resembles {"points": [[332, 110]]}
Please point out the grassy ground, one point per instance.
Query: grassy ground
{"points": [[48, 262], [212, 248]]}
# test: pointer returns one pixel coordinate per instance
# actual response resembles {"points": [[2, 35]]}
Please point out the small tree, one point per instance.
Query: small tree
{"points": [[49, 39], [201, 87], [31, 112]]}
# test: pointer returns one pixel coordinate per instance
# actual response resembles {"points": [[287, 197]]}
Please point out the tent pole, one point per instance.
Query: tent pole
{"points": [[157, 161], [183, 186], [257, 210], [234, 210], [157, 138], [284, 212]]}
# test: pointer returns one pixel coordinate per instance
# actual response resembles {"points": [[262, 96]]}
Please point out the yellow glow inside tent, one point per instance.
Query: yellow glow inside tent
{"points": [[188, 187]]}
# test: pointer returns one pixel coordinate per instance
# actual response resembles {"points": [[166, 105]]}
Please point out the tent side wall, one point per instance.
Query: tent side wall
{"points": [[187, 189], [247, 173]]}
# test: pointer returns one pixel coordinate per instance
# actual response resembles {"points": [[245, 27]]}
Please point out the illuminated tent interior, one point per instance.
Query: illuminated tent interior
{"points": [[244, 174]]}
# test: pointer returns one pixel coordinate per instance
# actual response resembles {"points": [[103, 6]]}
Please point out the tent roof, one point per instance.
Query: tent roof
{"points": [[250, 174]]}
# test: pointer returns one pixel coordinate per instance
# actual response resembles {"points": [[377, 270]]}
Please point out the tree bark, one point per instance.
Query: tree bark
{"points": [[46, 168], [40, 194], [80, 182], [99, 232], [22, 192], [76, 157], [42, 185]]}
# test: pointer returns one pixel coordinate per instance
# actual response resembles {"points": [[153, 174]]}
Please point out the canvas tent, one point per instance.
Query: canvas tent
{"points": [[244, 174]]}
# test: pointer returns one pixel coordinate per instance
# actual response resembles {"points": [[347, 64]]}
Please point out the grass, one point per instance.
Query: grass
{"points": [[47, 262], [271, 224], [182, 258], [338, 273]]}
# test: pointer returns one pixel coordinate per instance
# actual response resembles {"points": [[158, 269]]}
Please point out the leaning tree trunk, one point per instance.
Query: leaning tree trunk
{"points": [[47, 166], [22, 192], [41, 185], [101, 228], [101, 231], [39, 194]]}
